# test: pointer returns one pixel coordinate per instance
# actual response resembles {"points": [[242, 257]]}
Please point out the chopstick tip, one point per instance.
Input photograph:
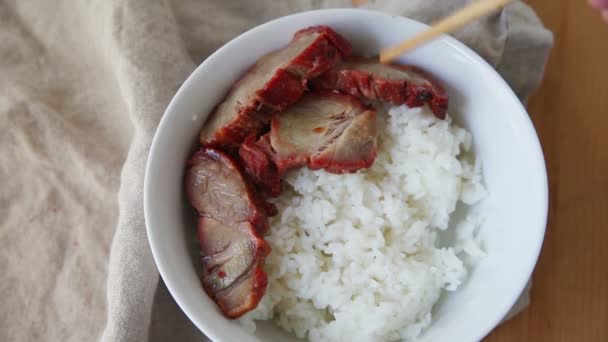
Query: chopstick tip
{"points": [[384, 58]]}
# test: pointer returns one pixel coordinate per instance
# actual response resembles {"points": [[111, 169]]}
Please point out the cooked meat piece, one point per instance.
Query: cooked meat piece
{"points": [[233, 258], [258, 164], [231, 223], [324, 130], [228, 180], [398, 84], [276, 81]]}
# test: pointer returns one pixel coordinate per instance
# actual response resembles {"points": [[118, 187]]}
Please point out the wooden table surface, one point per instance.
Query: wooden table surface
{"points": [[570, 112]]}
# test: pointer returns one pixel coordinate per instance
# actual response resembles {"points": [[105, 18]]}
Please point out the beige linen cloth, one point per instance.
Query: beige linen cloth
{"points": [[83, 85]]}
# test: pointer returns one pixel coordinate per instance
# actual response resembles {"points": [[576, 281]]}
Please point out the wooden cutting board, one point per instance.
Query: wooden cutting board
{"points": [[570, 112]]}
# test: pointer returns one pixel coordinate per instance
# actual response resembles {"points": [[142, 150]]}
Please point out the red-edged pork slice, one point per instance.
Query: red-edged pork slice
{"points": [[212, 169], [324, 130], [256, 155], [233, 258], [230, 225], [276, 81], [398, 84]]}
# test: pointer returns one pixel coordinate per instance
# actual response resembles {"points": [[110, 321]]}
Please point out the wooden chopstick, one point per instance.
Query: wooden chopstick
{"points": [[473, 11]]}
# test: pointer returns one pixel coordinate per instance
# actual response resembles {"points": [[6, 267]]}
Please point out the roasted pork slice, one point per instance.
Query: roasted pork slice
{"points": [[214, 180], [276, 81], [231, 223], [258, 163], [324, 130], [233, 258], [398, 84]]}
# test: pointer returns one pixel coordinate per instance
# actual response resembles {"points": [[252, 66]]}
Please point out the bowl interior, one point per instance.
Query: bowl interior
{"points": [[504, 140]]}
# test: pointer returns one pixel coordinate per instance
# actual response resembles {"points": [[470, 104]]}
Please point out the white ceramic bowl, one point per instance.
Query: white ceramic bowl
{"points": [[504, 140]]}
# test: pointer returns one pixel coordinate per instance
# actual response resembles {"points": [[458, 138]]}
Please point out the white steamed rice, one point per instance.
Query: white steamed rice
{"points": [[355, 257]]}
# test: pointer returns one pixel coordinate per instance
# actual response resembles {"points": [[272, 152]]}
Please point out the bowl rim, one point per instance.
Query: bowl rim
{"points": [[170, 112]]}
